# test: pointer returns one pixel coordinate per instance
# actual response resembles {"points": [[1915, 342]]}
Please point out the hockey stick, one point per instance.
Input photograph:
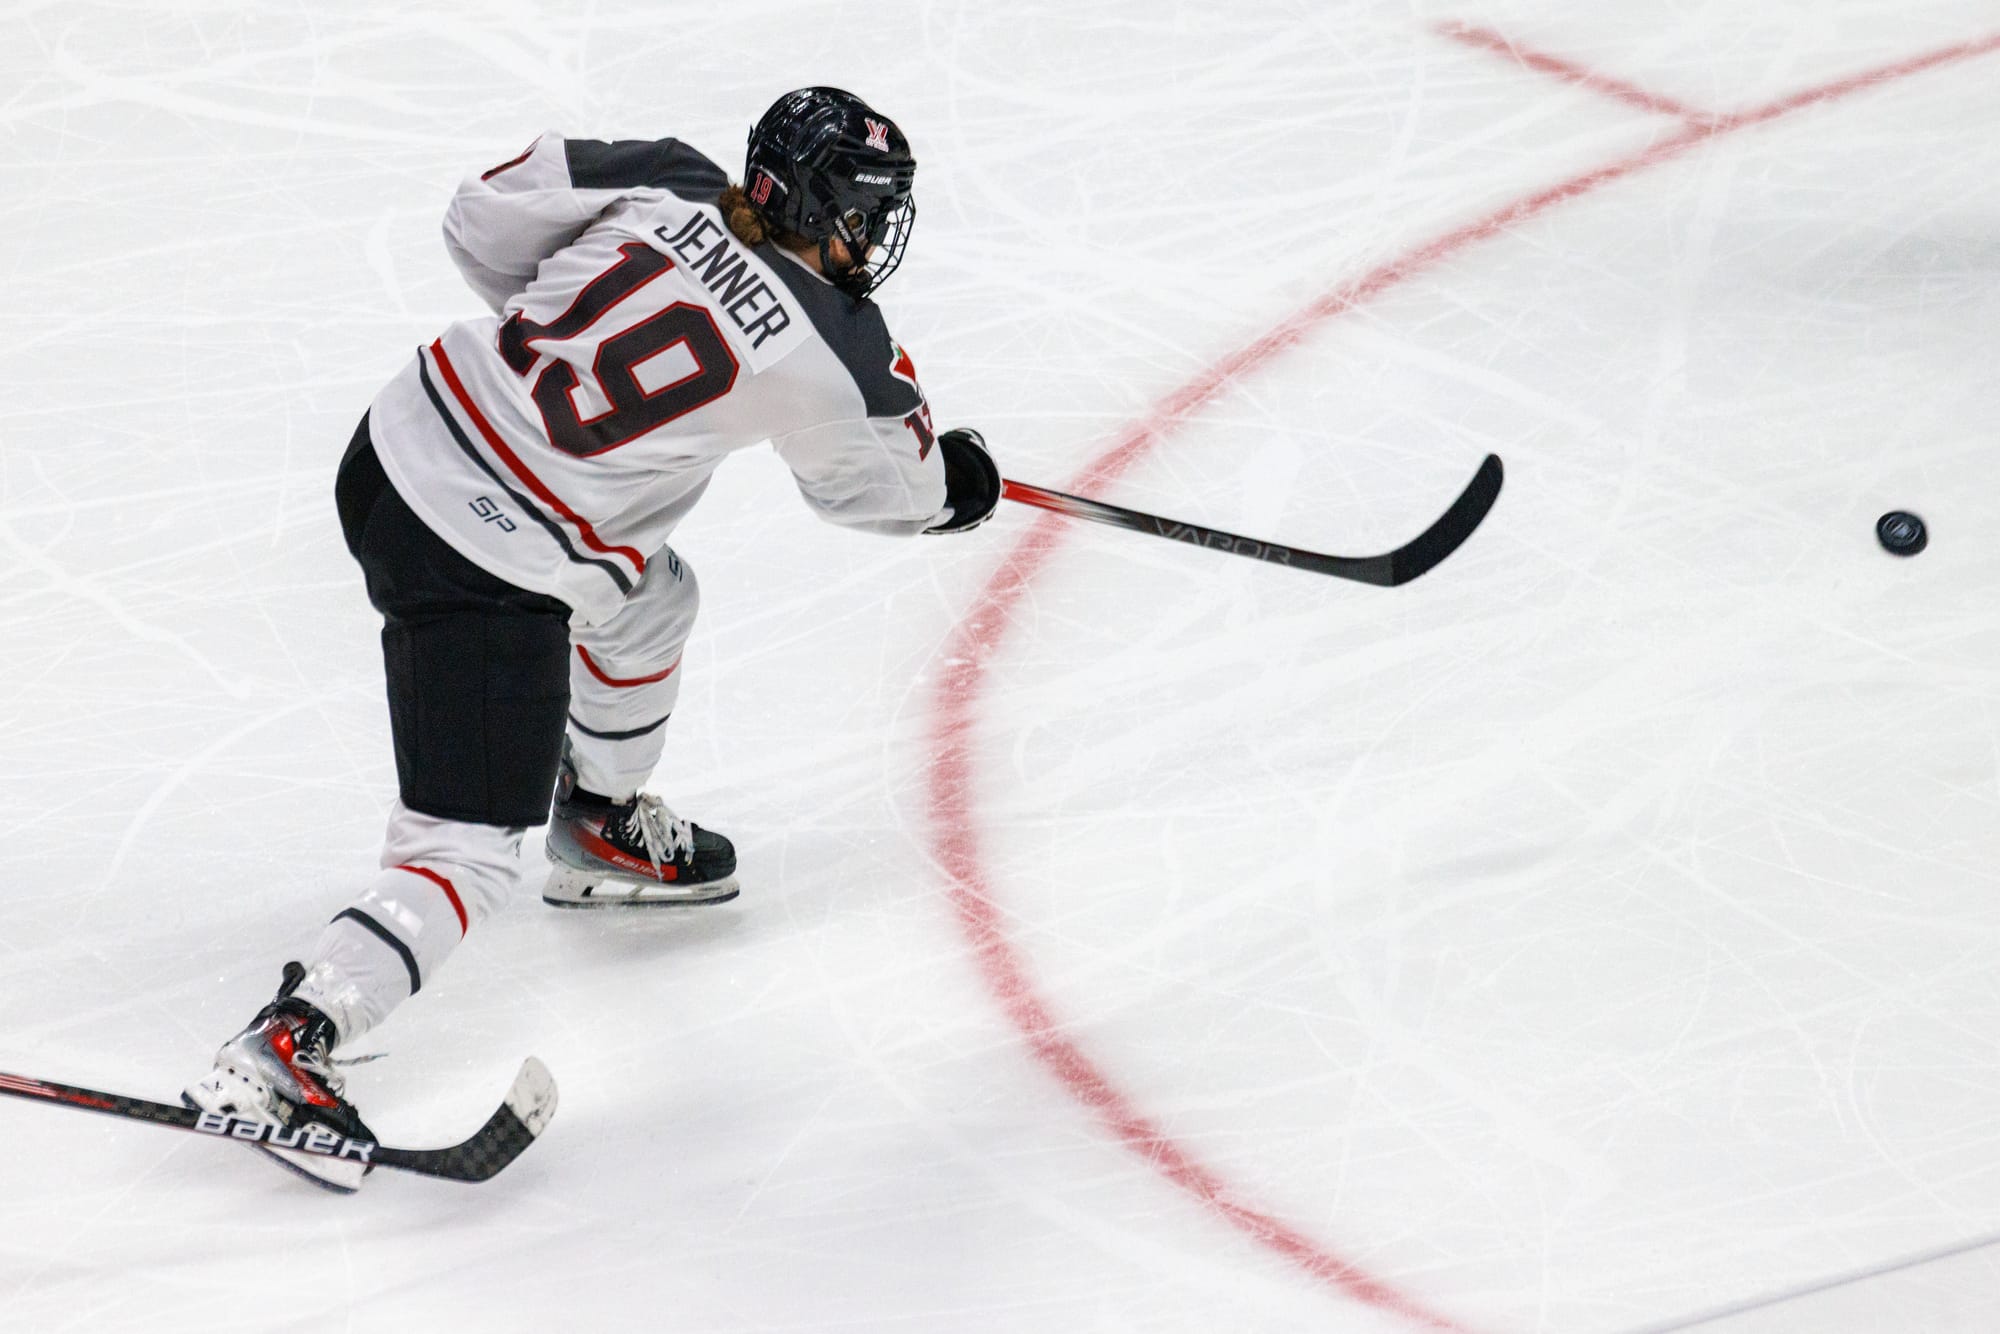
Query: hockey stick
{"points": [[1396, 567], [512, 1127]]}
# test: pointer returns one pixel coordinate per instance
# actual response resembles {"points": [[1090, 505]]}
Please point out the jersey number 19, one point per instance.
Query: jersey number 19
{"points": [[634, 410]]}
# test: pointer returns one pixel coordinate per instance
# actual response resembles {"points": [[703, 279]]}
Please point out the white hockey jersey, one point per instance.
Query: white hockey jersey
{"points": [[636, 343]]}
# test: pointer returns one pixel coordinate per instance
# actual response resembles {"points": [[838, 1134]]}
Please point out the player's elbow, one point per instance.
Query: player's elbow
{"points": [[888, 511]]}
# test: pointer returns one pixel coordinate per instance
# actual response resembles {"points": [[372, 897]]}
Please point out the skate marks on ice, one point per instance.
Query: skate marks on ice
{"points": [[981, 635], [814, 1179]]}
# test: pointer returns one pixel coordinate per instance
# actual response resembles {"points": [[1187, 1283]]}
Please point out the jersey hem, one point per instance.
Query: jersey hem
{"points": [[446, 533]]}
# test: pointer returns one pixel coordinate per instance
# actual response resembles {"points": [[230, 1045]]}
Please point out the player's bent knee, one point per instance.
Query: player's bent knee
{"points": [[647, 636]]}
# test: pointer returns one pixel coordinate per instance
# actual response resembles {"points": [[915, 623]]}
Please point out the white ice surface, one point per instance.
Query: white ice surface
{"points": [[1598, 931]]}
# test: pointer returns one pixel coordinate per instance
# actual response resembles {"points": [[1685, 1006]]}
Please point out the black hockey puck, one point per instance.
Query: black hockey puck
{"points": [[1901, 533]]}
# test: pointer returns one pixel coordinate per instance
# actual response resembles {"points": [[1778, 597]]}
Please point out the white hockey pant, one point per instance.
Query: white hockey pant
{"points": [[624, 677]]}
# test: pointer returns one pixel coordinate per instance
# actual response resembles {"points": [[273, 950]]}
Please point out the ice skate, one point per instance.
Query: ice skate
{"points": [[637, 853], [279, 1070]]}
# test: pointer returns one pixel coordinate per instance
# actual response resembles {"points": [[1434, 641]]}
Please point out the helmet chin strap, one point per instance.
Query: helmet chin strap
{"points": [[855, 280]]}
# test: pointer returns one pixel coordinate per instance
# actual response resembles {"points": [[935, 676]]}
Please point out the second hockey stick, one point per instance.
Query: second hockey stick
{"points": [[1386, 571], [512, 1127]]}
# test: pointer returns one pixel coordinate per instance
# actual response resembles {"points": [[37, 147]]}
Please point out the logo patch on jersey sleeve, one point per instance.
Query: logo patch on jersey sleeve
{"points": [[919, 421]]}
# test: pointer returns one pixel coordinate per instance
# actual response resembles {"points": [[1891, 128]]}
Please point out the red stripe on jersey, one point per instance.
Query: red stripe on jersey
{"points": [[598, 672], [520, 469], [449, 892], [491, 172]]}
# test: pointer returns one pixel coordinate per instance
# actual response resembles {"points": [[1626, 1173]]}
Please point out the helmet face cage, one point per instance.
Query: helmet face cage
{"points": [[824, 165], [888, 238], [877, 241]]}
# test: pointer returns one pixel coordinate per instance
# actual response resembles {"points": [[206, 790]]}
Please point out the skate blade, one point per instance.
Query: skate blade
{"points": [[568, 887]]}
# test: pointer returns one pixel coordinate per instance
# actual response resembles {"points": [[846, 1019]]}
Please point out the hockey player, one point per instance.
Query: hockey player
{"points": [[509, 496]]}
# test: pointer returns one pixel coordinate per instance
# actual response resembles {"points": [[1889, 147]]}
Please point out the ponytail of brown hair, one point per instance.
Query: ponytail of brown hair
{"points": [[755, 229], [751, 227], [743, 217]]}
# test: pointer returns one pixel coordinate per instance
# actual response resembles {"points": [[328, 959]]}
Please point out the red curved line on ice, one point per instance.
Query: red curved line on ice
{"points": [[978, 637]]}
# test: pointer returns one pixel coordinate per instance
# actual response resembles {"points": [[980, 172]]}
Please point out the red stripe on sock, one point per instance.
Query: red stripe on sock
{"points": [[451, 893], [620, 682]]}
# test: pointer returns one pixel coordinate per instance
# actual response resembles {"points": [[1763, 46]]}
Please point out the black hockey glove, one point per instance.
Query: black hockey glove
{"points": [[971, 481]]}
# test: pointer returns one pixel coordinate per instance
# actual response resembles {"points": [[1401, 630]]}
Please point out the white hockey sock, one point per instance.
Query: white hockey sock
{"points": [[438, 879]]}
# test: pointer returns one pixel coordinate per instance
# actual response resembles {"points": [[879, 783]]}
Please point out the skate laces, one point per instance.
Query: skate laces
{"points": [[665, 835], [312, 1055], [323, 1069]]}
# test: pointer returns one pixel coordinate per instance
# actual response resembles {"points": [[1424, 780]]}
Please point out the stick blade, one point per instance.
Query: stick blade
{"points": [[1455, 525], [529, 1107], [533, 1096]]}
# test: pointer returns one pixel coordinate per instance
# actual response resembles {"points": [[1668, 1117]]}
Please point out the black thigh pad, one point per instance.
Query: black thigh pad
{"points": [[477, 705]]}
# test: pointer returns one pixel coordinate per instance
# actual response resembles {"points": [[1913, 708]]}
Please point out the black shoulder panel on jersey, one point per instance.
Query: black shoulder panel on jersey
{"points": [[658, 164], [857, 334]]}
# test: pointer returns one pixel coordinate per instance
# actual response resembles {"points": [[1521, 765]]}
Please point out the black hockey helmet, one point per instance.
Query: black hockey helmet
{"points": [[824, 164]]}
